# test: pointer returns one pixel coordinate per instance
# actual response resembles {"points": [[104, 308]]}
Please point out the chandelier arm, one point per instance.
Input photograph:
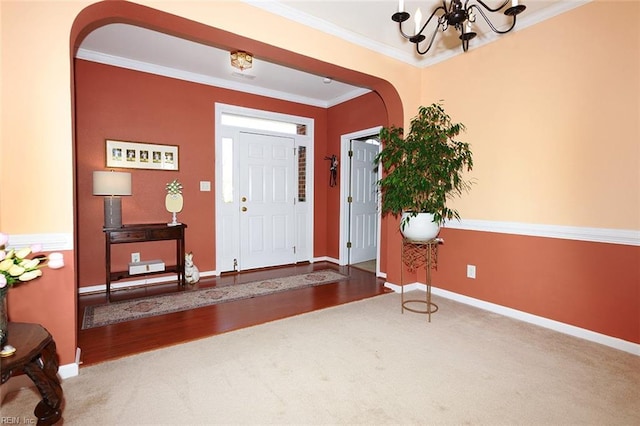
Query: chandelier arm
{"points": [[489, 8], [433, 37], [431, 17], [408, 36], [493, 28]]}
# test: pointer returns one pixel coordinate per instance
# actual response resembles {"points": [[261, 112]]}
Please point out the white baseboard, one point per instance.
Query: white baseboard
{"points": [[603, 339], [68, 370], [23, 381], [326, 259], [101, 288]]}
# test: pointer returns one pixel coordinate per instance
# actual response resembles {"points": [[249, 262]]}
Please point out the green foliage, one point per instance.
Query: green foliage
{"points": [[424, 169]]}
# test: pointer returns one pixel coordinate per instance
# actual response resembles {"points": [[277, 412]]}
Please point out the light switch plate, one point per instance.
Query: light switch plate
{"points": [[471, 271], [205, 185]]}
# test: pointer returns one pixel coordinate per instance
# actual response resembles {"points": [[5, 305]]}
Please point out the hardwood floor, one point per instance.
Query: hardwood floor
{"points": [[118, 340]]}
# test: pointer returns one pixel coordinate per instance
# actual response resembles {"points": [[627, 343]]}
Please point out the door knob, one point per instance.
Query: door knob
{"points": [[244, 199], [244, 209]]}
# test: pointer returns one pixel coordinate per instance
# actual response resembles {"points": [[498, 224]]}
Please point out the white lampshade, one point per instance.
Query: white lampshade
{"points": [[111, 183]]}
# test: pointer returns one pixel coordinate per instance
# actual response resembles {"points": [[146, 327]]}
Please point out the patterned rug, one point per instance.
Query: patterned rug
{"points": [[128, 310]]}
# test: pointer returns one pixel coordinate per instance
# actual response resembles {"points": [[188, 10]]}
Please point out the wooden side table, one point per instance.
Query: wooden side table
{"points": [[418, 254], [144, 233], [36, 356]]}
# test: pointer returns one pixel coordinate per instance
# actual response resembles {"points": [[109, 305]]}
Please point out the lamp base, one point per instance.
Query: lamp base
{"points": [[112, 212]]}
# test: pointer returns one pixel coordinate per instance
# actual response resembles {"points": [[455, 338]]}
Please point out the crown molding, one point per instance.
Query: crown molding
{"points": [[311, 21], [408, 56], [132, 64]]}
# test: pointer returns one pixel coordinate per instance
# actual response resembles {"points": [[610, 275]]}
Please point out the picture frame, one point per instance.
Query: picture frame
{"points": [[139, 155]]}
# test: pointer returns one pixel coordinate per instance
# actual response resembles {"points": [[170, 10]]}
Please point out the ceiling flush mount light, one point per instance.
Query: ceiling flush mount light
{"points": [[458, 14], [241, 60]]}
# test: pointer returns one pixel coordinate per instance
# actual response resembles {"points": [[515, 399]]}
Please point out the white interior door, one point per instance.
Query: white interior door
{"points": [[267, 184], [364, 202]]}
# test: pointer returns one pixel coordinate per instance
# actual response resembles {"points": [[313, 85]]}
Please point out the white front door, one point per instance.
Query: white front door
{"points": [[267, 191], [364, 202]]}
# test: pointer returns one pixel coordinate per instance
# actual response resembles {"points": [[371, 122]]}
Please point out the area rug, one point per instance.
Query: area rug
{"points": [[111, 313]]}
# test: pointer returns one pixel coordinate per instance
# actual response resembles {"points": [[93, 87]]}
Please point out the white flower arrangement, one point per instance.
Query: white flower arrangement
{"points": [[16, 267]]}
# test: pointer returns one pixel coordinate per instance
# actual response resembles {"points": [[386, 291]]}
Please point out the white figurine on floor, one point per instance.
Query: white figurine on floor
{"points": [[191, 272]]}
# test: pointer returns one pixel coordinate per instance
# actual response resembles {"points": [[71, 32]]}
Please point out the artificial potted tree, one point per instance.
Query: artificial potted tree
{"points": [[424, 170]]}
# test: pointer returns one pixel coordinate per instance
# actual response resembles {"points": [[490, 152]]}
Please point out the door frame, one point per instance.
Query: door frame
{"points": [[304, 212], [345, 141]]}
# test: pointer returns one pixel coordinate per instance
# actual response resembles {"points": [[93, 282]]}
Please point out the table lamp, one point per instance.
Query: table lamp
{"points": [[112, 185]]}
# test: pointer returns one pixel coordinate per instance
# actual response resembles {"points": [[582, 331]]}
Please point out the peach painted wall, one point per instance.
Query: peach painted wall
{"points": [[36, 156], [553, 115]]}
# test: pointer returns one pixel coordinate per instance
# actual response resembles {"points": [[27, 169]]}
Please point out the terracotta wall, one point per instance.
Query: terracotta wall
{"points": [[126, 105], [120, 104], [51, 301], [591, 285], [362, 113]]}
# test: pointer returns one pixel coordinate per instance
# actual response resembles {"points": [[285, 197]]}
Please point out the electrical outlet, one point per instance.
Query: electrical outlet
{"points": [[471, 271], [135, 257]]}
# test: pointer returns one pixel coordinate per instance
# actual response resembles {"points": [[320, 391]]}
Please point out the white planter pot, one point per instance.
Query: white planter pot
{"points": [[420, 227]]}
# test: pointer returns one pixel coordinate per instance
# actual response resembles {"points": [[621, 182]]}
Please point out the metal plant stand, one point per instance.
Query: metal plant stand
{"points": [[415, 255]]}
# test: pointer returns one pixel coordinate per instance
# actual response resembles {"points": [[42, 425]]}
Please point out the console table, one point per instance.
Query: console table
{"points": [[144, 233], [418, 254], [36, 356]]}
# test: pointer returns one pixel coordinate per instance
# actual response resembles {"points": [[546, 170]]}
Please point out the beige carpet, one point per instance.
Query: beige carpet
{"points": [[128, 310], [362, 363]]}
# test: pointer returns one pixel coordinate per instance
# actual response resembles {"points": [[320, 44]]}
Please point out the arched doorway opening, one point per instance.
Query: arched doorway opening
{"points": [[104, 13]]}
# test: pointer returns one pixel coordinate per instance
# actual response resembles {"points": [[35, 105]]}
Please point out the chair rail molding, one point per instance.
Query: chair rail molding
{"points": [[598, 235], [50, 242]]}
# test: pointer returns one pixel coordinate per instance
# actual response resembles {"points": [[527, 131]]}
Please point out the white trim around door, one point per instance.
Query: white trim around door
{"points": [[345, 181], [228, 204]]}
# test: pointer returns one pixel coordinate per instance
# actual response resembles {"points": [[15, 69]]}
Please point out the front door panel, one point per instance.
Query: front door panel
{"points": [[267, 210]]}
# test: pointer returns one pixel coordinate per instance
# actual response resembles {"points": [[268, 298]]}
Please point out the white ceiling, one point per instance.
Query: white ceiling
{"points": [[365, 23]]}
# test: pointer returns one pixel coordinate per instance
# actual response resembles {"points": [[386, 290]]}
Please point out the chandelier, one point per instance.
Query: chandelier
{"points": [[456, 15]]}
